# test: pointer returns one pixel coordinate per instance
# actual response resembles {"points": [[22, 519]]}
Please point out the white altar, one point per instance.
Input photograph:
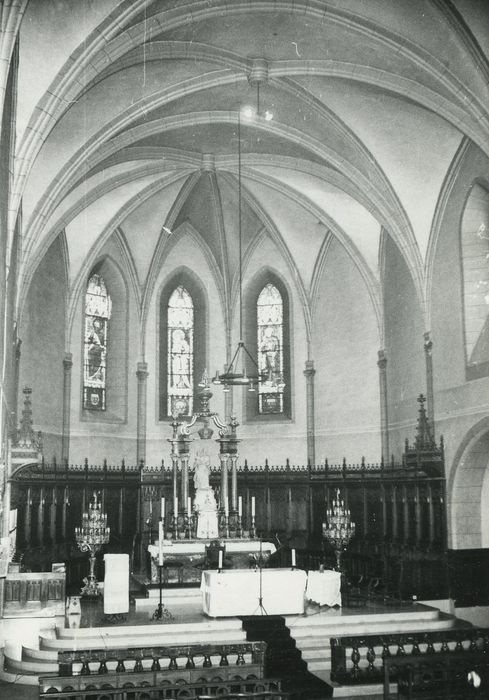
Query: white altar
{"points": [[324, 587], [238, 592], [116, 584]]}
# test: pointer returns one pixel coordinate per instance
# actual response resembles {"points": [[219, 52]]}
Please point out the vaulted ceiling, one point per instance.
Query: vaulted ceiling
{"points": [[128, 120]]}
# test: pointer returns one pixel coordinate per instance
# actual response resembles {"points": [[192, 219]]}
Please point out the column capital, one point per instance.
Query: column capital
{"points": [[382, 361], [142, 371], [68, 361], [309, 370]]}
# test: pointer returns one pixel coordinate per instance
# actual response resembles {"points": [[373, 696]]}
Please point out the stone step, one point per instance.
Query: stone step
{"points": [[155, 637], [332, 629], [133, 631]]}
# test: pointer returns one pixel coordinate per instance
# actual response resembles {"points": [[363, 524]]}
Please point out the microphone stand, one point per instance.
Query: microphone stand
{"points": [[260, 607], [161, 611]]}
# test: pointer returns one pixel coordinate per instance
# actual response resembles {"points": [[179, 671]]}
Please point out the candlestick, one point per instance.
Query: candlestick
{"points": [[160, 543], [240, 506]]}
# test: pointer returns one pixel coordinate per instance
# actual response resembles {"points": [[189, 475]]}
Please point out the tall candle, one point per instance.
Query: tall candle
{"points": [[220, 559], [226, 506], [160, 543], [240, 506], [162, 506], [151, 508], [252, 506], [175, 505], [189, 505], [293, 557]]}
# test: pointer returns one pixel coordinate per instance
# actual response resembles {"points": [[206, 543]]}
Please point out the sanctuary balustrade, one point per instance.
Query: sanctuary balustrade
{"points": [[364, 659]]}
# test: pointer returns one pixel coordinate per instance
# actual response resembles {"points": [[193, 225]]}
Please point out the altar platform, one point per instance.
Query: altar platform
{"points": [[310, 630]]}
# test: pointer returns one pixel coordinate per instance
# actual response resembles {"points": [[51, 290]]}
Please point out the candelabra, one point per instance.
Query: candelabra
{"points": [[339, 529], [90, 537]]}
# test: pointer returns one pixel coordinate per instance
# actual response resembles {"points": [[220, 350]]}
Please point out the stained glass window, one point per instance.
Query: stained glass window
{"points": [[180, 352], [98, 308], [475, 266], [270, 327]]}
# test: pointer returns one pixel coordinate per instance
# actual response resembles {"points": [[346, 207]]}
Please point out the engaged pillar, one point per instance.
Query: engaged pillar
{"points": [[142, 375], [430, 409], [65, 435], [309, 373], [384, 422]]}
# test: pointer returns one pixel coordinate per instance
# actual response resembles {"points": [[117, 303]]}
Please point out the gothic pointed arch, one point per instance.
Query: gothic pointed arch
{"points": [[104, 352], [267, 332], [474, 247], [182, 343]]}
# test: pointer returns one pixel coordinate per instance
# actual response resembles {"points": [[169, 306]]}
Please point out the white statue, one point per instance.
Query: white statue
{"points": [[205, 501]]}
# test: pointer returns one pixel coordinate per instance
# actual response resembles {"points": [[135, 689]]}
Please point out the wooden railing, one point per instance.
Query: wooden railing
{"points": [[362, 659], [238, 688], [186, 661], [30, 590]]}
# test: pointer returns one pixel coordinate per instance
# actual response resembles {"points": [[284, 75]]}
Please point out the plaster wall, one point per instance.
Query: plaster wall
{"points": [[185, 252], [42, 331], [110, 435], [404, 328], [345, 345], [460, 404]]}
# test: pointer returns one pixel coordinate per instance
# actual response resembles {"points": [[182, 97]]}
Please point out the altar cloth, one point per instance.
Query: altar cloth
{"points": [[324, 587], [238, 592], [182, 547], [116, 584]]}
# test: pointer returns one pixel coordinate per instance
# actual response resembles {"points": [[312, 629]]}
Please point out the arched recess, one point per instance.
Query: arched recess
{"points": [[250, 298], [474, 247], [117, 344], [187, 279], [468, 491]]}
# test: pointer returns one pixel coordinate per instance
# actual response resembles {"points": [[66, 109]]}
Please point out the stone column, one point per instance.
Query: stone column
{"points": [[309, 373], [384, 421], [430, 409], [65, 435], [142, 375], [233, 506], [18, 353], [224, 480]]}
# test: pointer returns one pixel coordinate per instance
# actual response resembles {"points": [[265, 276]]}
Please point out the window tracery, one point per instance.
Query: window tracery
{"points": [[98, 308], [180, 337], [270, 334]]}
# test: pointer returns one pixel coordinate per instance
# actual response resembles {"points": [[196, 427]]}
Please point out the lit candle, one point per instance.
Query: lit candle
{"points": [[162, 506], [189, 505], [240, 506], [160, 543], [252, 506], [220, 559], [293, 557]]}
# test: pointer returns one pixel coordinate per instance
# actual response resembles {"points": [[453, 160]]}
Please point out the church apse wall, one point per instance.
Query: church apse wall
{"points": [[42, 332], [345, 344], [404, 328]]}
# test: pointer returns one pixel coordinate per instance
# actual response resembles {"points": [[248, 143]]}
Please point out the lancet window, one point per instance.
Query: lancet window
{"points": [[180, 355], [98, 307], [270, 345], [475, 268]]}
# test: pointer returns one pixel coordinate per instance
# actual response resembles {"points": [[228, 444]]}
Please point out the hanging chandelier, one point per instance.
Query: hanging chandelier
{"points": [[236, 372]]}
